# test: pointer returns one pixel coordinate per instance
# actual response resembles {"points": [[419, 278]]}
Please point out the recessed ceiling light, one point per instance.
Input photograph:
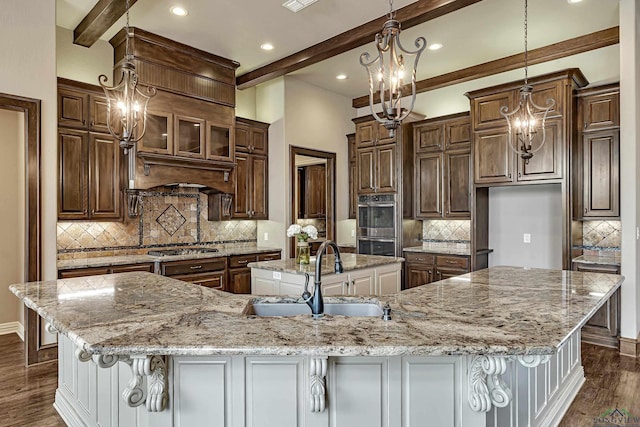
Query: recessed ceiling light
{"points": [[341, 76], [297, 5], [573, 1], [266, 46], [179, 11], [435, 46]]}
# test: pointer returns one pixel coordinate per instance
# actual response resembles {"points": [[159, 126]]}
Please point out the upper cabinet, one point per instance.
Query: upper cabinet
{"points": [[89, 160], [494, 161], [442, 167], [597, 194], [251, 192], [375, 158]]}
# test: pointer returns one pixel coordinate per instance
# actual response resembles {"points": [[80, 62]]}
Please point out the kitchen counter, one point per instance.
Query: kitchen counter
{"points": [[608, 259], [106, 261], [445, 249], [452, 346], [500, 310], [349, 262]]}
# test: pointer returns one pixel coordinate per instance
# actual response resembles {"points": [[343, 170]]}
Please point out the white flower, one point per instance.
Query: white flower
{"points": [[293, 230], [311, 231]]}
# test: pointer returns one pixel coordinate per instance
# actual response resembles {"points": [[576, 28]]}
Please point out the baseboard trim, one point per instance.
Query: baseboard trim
{"points": [[12, 328], [629, 347], [66, 411]]}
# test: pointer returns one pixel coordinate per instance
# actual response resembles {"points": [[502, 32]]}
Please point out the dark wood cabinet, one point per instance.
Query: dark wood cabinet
{"points": [[89, 162], [239, 275], [251, 136], [428, 190], [209, 272], [94, 271], [423, 268], [251, 197], [376, 168], [495, 161], [599, 147], [312, 181], [442, 174], [603, 328], [353, 174], [251, 187]]}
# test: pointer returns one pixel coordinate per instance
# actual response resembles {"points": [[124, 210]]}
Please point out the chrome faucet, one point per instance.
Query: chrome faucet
{"points": [[315, 301]]}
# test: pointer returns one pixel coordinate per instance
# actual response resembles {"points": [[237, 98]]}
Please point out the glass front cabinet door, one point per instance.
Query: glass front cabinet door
{"points": [[218, 142], [189, 137], [158, 137]]}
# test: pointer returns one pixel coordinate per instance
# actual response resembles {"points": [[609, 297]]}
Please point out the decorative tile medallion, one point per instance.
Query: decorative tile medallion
{"points": [[171, 220]]}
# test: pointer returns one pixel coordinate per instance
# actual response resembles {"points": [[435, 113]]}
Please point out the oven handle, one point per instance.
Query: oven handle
{"points": [[374, 239], [377, 205]]}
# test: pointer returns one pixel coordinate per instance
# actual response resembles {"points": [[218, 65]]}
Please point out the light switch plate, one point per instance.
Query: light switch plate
{"points": [[526, 238]]}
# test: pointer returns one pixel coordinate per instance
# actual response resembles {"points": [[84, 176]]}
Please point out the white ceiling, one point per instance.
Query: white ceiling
{"points": [[482, 32]]}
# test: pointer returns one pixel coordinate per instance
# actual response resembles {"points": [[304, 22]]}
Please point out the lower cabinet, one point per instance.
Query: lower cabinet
{"points": [[422, 268], [209, 272], [604, 326], [381, 280], [94, 271], [240, 274]]}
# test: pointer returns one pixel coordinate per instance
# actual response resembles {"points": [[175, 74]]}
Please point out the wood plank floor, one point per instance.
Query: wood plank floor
{"points": [[26, 395]]}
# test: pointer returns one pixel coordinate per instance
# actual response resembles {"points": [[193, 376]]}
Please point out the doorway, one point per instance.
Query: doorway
{"points": [[313, 192], [28, 111]]}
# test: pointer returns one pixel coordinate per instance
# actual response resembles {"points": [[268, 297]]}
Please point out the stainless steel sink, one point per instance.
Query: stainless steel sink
{"points": [[353, 309]]}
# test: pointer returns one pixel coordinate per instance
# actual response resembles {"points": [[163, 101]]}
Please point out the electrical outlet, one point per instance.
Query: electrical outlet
{"points": [[353, 233], [637, 233], [526, 238], [277, 275], [266, 236]]}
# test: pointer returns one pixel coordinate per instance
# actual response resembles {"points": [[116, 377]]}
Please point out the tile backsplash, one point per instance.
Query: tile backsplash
{"points": [[438, 230], [168, 217], [601, 234]]}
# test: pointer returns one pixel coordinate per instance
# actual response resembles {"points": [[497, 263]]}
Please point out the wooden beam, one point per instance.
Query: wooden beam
{"points": [[99, 19], [597, 40], [409, 16]]}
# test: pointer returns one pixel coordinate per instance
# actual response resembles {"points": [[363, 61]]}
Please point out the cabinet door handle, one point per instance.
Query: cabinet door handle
{"points": [[84, 121], [353, 283], [346, 283], [450, 262], [585, 210], [509, 175], [586, 125], [195, 267], [243, 261], [519, 175]]}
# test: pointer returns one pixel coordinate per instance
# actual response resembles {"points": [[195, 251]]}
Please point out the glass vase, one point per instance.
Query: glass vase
{"points": [[303, 251]]}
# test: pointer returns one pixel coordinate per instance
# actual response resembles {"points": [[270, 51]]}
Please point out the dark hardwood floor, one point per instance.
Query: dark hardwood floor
{"points": [[26, 395]]}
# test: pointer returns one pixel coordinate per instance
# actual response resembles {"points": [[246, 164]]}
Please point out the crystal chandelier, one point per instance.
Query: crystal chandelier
{"points": [[527, 118], [126, 103], [389, 70]]}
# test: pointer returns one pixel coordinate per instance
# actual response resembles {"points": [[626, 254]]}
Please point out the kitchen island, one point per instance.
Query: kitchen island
{"points": [[499, 346]]}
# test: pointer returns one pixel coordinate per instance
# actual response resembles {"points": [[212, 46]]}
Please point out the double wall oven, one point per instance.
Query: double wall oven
{"points": [[376, 222]]}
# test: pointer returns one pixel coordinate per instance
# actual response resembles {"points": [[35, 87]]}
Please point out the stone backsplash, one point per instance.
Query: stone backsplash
{"points": [[601, 234], [439, 230], [167, 218], [319, 224]]}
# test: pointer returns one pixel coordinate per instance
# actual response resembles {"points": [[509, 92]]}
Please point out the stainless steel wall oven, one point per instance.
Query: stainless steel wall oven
{"points": [[377, 224]]}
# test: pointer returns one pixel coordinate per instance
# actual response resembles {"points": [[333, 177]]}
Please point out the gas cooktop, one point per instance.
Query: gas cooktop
{"points": [[184, 251]]}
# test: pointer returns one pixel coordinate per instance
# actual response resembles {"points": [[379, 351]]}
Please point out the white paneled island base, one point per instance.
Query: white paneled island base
{"points": [[297, 391]]}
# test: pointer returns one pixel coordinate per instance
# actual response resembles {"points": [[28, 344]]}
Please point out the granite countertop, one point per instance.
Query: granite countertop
{"points": [[349, 262], [608, 259], [500, 310], [445, 248], [70, 264]]}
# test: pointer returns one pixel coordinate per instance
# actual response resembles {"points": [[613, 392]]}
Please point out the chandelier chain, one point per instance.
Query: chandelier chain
{"points": [[526, 62], [126, 29], [392, 13]]}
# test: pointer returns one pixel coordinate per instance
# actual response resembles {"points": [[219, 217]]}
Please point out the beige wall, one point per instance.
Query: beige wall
{"points": [[246, 103], [12, 209], [28, 46], [82, 63], [629, 161]]}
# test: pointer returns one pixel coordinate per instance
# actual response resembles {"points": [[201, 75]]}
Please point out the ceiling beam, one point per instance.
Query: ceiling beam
{"points": [[411, 15], [99, 19], [581, 44]]}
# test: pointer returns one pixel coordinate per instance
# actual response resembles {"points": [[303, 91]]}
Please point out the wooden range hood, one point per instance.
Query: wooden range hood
{"points": [[190, 83]]}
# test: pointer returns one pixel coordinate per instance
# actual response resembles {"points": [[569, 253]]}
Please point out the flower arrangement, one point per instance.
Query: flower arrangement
{"points": [[302, 234]]}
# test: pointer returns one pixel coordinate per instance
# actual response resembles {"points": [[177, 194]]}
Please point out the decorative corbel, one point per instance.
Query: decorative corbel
{"points": [[486, 387], [318, 373]]}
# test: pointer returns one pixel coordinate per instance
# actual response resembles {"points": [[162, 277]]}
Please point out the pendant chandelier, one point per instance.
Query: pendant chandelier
{"points": [[389, 71], [126, 103], [528, 118]]}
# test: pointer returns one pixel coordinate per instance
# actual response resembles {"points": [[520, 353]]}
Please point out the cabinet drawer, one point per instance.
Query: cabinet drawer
{"points": [[453, 262], [175, 268], [269, 257], [241, 260], [214, 280], [596, 268], [419, 258], [147, 266], [81, 272]]}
